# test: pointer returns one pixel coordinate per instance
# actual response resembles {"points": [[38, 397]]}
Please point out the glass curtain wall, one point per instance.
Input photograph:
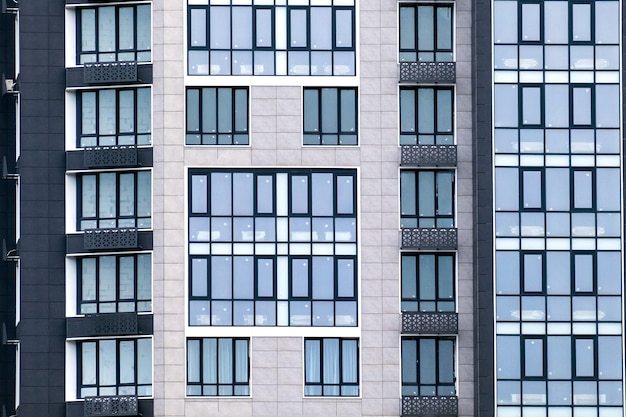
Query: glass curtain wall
{"points": [[558, 208]]}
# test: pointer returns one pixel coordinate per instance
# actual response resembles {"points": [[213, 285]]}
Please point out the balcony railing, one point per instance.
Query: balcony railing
{"points": [[110, 156], [428, 155], [110, 406], [110, 72], [109, 324], [428, 72], [426, 406], [430, 239], [100, 239], [430, 323]]}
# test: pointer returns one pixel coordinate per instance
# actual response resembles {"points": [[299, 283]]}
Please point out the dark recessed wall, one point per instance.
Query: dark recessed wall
{"points": [[483, 248], [7, 215], [42, 242]]}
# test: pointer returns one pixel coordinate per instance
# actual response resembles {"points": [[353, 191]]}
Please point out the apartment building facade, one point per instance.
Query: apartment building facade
{"points": [[312, 207]]}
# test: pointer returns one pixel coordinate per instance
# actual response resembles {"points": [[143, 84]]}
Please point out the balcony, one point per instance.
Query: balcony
{"points": [[428, 72], [428, 155], [430, 323], [430, 239], [101, 239], [110, 156], [108, 73], [425, 406], [117, 405], [109, 324]]}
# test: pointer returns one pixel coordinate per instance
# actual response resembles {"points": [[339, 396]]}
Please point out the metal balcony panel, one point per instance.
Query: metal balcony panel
{"points": [[428, 155], [110, 406], [106, 324], [110, 72], [101, 239], [430, 239], [428, 72], [426, 406], [110, 156], [430, 323]]}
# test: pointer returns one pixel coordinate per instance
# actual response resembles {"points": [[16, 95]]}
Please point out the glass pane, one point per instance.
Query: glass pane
{"points": [[126, 28], [209, 110], [343, 28], [311, 110], [242, 37], [444, 111], [107, 196], [209, 361], [300, 278], [323, 278], [507, 189], [219, 28], [583, 273], [444, 28], [607, 21], [127, 362], [556, 105], [508, 357], [321, 20], [427, 361], [144, 194], [407, 111], [581, 22], [144, 28], [505, 111], [199, 201], [127, 278], [197, 24], [445, 193], [427, 284], [345, 194], [88, 192], [581, 106], [533, 357], [349, 364], [299, 194], [407, 27], [348, 110], [107, 112], [144, 277], [425, 28], [329, 108], [243, 276], [226, 362], [583, 190], [505, 28], [88, 113], [407, 193], [298, 28], [556, 26], [88, 363], [106, 29], [225, 110], [144, 110], [585, 362], [107, 363], [426, 110], [446, 362], [531, 25], [331, 361], [557, 189], [220, 194], [531, 110], [243, 199], [87, 30], [127, 195], [533, 273], [241, 110], [221, 277], [265, 277], [265, 194], [312, 361], [322, 194]]}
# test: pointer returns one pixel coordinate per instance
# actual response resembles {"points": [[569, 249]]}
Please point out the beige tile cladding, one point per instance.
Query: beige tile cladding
{"points": [[276, 362]]}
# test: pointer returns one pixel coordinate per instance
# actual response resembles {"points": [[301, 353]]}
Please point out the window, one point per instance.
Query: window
{"points": [[113, 33], [331, 367], [330, 116], [217, 116], [426, 199], [559, 370], [115, 283], [269, 38], [428, 367], [427, 282], [218, 367], [114, 199], [280, 251], [115, 367], [425, 33], [114, 117], [426, 115]]}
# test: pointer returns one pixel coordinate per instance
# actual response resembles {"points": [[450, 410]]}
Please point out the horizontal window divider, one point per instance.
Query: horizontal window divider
{"points": [[77, 77], [427, 72], [430, 239], [428, 155]]}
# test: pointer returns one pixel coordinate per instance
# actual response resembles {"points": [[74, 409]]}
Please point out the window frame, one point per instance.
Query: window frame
{"points": [[315, 137], [137, 52], [118, 219], [202, 136], [318, 386], [414, 137], [117, 135], [410, 388], [436, 217], [436, 49], [201, 358], [119, 387], [117, 278], [436, 280]]}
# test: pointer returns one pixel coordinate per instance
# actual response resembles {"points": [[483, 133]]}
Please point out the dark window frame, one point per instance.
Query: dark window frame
{"points": [[414, 137], [117, 50], [118, 300], [238, 388], [119, 387], [413, 388], [319, 136], [440, 303], [119, 219], [436, 49], [228, 136], [341, 388], [117, 134], [436, 218]]}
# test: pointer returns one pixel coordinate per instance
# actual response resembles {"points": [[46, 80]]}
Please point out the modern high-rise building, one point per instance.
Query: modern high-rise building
{"points": [[305, 208]]}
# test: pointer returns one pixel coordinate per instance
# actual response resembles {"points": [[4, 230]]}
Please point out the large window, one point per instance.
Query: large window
{"points": [[428, 367], [271, 38], [115, 367], [217, 116], [114, 117], [273, 248], [427, 198], [114, 199], [330, 116], [115, 283], [428, 282], [559, 370], [113, 33], [426, 116], [425, 33], [218, 367], [331, 367]]}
